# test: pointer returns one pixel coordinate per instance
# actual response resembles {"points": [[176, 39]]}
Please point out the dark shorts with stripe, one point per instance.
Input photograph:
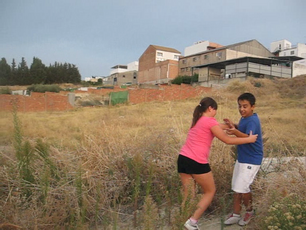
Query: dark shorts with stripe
{"points": [[189, 166]]}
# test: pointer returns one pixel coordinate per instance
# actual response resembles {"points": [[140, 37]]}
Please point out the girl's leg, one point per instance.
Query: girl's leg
{"points": [[206, 181], [188, 184]]}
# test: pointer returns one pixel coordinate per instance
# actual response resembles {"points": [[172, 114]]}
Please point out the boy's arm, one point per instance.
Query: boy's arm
{"points": [[230, 123]]}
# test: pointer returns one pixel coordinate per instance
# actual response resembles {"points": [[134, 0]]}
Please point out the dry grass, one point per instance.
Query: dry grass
{"points": [[116, 166]]}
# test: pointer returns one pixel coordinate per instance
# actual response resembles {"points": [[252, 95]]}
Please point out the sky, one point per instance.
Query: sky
{"points": [[96, 35]]}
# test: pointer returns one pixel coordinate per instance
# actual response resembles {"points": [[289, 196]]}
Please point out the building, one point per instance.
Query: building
{"points": [[283, 49], [239, 60], [123, 74], [200, 47], [158, 65], [93, 79], [217, 54]]}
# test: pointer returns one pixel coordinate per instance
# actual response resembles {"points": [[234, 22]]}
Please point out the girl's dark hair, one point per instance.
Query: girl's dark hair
{"points": [[202, 107]]}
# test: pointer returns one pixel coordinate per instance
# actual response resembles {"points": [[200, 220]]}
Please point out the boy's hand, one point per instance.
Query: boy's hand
{"points": [[229, 123], [230, 131]]}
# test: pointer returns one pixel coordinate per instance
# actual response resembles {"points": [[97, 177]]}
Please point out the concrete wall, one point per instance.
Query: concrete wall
{"points": [[280, 45], [196, 48]]}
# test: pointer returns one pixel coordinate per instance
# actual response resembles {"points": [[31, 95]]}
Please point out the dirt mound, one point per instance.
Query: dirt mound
{"points": [[293, 88]]}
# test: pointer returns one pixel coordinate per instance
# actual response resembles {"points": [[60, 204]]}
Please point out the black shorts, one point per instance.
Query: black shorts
{"points": [[189, 166]]}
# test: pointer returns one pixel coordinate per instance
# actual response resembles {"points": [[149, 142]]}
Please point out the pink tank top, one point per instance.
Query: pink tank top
{"points": [[199, 139]]}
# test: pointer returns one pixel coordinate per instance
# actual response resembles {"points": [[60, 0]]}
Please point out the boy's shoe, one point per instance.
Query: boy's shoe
{"points": [[247, 218], [188, 225], [232, 219]]}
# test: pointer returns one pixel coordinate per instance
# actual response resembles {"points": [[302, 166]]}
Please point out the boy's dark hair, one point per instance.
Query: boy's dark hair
{"points": [[202, 107], [248, 97]]}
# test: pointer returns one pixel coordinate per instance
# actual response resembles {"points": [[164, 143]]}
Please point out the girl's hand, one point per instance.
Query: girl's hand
{"points": [[252, 137]]}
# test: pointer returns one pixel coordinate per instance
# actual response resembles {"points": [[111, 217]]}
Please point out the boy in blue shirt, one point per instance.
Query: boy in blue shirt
{"points": [[249, 159]]}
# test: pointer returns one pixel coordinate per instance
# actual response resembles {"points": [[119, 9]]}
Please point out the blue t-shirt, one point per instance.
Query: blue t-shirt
{"points": [[250, 153]]}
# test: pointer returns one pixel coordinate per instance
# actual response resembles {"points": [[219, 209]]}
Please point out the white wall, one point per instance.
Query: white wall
{"points": [[166, 56], [280, 45], [133, 66], [197, 47]]}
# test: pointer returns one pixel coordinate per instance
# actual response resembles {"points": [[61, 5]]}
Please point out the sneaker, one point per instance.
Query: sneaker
{"points": [[247, 218], [232, 219], [188, 225]]}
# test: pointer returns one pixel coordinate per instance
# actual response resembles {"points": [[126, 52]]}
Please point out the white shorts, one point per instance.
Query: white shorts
{"points": [[243, 176]]}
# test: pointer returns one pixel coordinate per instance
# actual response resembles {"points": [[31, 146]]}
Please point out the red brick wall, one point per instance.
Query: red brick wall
{"points": [[166, 93], [59, 101], [36, 102]]}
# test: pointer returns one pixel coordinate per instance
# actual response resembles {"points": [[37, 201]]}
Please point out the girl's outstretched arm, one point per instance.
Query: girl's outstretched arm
{"points": [[219, 133]]}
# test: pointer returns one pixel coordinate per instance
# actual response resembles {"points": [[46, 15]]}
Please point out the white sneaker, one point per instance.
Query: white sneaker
{"points": [[247, 218], [232, 219], [188, 225]]}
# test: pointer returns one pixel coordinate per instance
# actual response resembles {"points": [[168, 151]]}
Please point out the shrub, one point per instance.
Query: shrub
{"points": [[44, 88], [185, 79], [289, 213], [5, 90]]}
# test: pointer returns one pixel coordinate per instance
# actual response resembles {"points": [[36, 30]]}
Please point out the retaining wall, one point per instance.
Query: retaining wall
{"points": [[60, 101]]}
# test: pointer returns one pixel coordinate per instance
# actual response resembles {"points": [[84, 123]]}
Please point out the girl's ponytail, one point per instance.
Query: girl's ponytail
{"points": [[202, 107]]}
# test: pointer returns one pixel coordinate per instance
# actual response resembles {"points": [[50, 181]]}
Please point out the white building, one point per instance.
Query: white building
{"points": [[199, 47], [93, 79], [123, 74], [133, 66], [284, 48]]}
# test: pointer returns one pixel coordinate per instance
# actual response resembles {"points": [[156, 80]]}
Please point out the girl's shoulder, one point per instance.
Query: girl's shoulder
{"points": [[209, 120]]}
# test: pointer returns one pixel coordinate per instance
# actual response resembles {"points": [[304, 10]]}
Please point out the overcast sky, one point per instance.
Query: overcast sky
{"points": [[98, 34]]}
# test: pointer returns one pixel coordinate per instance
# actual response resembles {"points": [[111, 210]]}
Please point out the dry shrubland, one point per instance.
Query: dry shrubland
{"points": [[111, 167]]}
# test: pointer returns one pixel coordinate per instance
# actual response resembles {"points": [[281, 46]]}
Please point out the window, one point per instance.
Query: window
{"points": [[205, 56], [194, 59], [182, 69], [292, 52], [159, 54], [176, 57], [184, 61], [219, 55], [123, 75]]}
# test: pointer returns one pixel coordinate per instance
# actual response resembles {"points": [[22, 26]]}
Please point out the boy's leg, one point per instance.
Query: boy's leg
{"points": [[247, 201], [237, 203]]}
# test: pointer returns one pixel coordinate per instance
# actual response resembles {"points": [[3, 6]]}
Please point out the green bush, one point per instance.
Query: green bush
{"points": [[185, 79], [44, 88], [5, 90]]}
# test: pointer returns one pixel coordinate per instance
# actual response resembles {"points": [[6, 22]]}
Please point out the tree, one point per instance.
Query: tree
{"points": [[38, 73], [5, 72], [23, 73]]}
